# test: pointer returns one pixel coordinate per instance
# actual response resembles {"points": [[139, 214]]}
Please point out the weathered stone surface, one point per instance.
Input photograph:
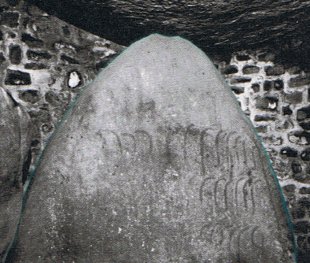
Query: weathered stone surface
{"points": [[155, 163], [14, 145], [213, 25]]}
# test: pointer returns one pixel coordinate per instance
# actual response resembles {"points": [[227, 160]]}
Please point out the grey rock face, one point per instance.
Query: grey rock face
{"points": [[212, 24], [155, 163], [14, 144]]}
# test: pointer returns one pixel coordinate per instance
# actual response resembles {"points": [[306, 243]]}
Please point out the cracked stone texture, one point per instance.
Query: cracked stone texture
{"points": [[155, 163]]}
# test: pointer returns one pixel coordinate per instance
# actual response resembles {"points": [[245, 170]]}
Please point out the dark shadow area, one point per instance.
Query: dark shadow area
{"points": [[217, 27]]}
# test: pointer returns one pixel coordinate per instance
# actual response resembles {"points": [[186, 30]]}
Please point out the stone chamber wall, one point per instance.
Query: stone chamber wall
{"points": [[45, 62]]}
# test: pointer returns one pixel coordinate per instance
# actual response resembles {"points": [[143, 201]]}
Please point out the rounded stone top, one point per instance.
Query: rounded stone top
{"points": [[155, 163]]}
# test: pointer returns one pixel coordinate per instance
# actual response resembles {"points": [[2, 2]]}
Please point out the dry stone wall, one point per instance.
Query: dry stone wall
{"points": [[276, 99], [45, 62]]}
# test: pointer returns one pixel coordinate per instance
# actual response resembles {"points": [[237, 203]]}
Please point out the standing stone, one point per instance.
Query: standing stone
{"points": [[14, 147], [155, 163]]}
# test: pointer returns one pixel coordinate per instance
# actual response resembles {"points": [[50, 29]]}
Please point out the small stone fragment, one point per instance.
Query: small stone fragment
{"points": [[293, 98], [289, 152], [305, 155], [16, 77], [300, 177], [74, 79], [31, 41], [268, 85], [66, 31], [303, 117], [2, 58], [261, 129], [267, 103], [242, 57], [278, 84], [230, 69], [273, 84], [300, 137], [289, 188], [237, 90], [31, 96], [250, 69], [12, 35], [274, 70], [255, 87], [47, 127], [38, 55], [69, 59], [287, 110], [36, 66], [303, 243], [298, 212], [41, 116], [296, 167], [240, 80], [53, 98], [302, 227], [15, 54], [264, 118], [294, 70], [281, 125], [300, 81], [304, 202], [266, 57], [304, 190]]}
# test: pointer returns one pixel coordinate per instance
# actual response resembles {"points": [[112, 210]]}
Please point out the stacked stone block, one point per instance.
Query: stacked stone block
{"points": [[44, 63], [276, 99]]}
